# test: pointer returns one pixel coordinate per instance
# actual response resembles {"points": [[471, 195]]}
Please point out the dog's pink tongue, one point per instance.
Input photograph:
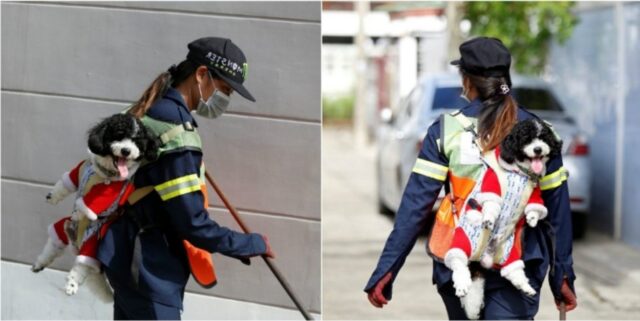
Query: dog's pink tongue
{"points": [[536, 165], [122, 167]]}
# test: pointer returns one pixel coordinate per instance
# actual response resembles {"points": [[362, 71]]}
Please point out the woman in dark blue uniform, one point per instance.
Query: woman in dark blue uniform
{"points": [[142, 252], [484, 65]]}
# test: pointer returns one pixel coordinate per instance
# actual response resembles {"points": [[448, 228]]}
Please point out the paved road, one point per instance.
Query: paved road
{"points": [[608, 272]]}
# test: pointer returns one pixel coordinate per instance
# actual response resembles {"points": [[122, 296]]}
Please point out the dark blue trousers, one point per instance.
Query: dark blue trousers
{"points": [[500, 303], [129, 305]]}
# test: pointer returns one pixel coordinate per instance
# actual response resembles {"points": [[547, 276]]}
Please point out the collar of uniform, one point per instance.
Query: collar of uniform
{"points": [[171, 108], [473, 108]]}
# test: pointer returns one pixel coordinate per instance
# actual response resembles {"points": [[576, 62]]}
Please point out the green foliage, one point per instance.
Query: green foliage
{"points": [[338, 108], [526, 28]]}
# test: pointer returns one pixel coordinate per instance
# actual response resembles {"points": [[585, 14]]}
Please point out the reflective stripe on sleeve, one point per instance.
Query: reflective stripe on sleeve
{"points": [[554, 179], [430, 169], [178, 186]]}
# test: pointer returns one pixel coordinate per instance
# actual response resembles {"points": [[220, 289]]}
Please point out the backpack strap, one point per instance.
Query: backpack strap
{"points": [[465, 122], [447, 184], [175, 131], [139, 194]]}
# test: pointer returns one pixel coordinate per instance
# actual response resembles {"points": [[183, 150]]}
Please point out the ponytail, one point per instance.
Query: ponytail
{"points": [[499, 112], [174, 76], [155, 90]]}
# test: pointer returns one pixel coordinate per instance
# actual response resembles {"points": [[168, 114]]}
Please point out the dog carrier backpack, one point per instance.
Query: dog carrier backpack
{"points": [[174, 138], [456, 132]]}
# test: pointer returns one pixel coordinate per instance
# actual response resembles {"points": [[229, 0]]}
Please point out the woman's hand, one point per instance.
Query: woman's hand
{"points": [[376, 297], [269, 252], [568, 297]]}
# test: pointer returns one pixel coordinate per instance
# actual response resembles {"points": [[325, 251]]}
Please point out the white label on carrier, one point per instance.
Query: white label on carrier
{"points": [[469, 152]]}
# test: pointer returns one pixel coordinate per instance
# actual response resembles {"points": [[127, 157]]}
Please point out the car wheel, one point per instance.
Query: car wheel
{"points": [[383, 209], [579, 225]]}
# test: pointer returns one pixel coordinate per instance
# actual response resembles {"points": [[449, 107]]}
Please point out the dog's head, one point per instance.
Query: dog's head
{"points": [[118, 144], [530, 144]]}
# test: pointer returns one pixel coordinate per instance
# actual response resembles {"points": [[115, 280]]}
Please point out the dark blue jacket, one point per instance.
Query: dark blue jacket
{"points": [[164, 270], [549, 242]]}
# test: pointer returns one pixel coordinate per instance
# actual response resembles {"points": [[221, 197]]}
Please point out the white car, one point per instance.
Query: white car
{"points": [[400, 135]]}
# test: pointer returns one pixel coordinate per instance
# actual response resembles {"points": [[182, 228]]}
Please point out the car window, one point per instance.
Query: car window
{"points": [[536, 99], [531, 98], [448, 98], [408, 107]]}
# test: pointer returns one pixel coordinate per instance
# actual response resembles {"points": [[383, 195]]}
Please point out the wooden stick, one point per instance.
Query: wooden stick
{"points": [[563, 311], [267, 260]]}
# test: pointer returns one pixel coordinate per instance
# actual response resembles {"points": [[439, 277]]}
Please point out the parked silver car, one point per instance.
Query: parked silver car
{"points": [[400, 135]]}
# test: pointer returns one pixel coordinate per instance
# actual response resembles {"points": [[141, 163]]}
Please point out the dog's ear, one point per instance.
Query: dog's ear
{"points": [[554, 142], [508, 148], [96, 139], [150, 143], [151, 149]]}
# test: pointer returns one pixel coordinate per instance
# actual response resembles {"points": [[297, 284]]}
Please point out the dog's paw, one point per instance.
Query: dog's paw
{"points": [[36, 267], [528, 290], [72, 286], [51, 199], [532, 218], [56, 195], [488, 223], [461, 282]]}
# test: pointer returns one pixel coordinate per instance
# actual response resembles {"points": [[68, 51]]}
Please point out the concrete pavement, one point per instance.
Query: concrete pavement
{"points": [[608, 272]]}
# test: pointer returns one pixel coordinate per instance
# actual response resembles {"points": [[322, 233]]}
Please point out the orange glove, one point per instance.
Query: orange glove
{"points": [[568, 297], [375, 295]]}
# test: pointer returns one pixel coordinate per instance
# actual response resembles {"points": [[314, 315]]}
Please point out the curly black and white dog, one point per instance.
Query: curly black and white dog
{"points": [[525, 150], [117, 146], [529, 145]]}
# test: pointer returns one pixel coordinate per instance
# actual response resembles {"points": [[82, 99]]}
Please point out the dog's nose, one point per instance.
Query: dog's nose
{"points": [[125, 152], [537, 150]]}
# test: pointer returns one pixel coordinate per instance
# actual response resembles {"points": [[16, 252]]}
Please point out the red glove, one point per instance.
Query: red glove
{"points": [[376, 297], [568, 297], [269, 252]]}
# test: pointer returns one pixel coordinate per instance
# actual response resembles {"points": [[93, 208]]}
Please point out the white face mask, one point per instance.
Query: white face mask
{"points": [[215, 106], [464, 93]]}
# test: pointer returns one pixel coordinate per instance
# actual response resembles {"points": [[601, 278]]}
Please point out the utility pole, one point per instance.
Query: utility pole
{"points": [[454, 17], [359, 108]]}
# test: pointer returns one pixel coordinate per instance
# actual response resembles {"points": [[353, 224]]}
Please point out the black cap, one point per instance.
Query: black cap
{"points": [[224, 59], [484, 56]]}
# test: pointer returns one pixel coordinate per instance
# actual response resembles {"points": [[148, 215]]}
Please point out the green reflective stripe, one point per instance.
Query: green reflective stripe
{"points": [[182, 191], [430, 169], [178, 180], [178, 186], [554, 179]]}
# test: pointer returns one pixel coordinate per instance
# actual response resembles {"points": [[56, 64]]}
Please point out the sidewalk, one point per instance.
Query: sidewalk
{"points": [[608, 272]]}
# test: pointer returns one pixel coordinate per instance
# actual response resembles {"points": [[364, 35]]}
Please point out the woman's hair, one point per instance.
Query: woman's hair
{"points": [[173, 77], [499, 112]]}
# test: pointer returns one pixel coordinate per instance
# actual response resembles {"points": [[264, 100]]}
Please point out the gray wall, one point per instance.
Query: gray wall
{"points": [[587, 70], [66, 65]]}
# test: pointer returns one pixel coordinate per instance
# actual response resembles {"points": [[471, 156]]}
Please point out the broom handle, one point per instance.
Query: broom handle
{"points": [[563, 311], [270, 264]]}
